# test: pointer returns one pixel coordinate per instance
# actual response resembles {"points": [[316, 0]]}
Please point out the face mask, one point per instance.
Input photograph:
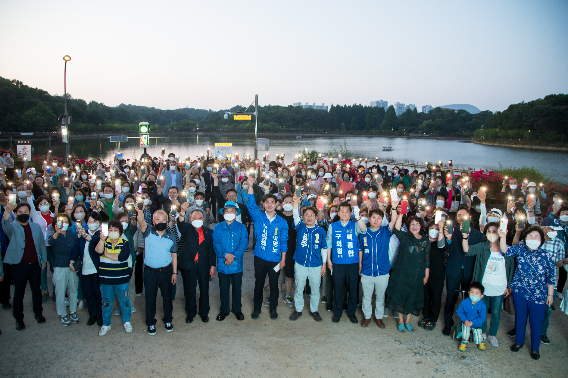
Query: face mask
{"points": [[474, 298], [332, 215], [372, 195], [288, 207], [209, 169], [64, 226], [261, 185], [172, 168], [532, 244], [346, 178], [374, 170], [228, 218], [79, 198], [225, 179], [150, 183], [320, 174], [365, 219], [146, 201], [440, 203], [197, 181], [93, 226], [434, 233], [124, 225], [399, 190], [113, 235], [199, 202], [271, 174], [532, 190], [84, 177], [191, 189], [108, 195], [171, 158], [22, 218], [556, 200], [492, 219], [513, 187], [563, 218], [492, 238], [348, 199], [552, 234], [44, 208], [125, 189], [367, 179], [478, 208], [22, 194], [198, 223], [313, 176], [273, 181], [245, 187], [303, 173], [160, 226], [284, 174], [80, 216]]}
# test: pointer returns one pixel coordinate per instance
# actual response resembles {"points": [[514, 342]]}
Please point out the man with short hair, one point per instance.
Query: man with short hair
{"points": [[27, 255], [271, 232], [160, 270]]}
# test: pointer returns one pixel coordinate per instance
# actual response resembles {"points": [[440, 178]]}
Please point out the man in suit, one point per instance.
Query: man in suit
{"points": [[172, 176], [197, 262]]}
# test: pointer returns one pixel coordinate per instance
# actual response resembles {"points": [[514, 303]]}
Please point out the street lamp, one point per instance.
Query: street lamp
{"points": [[66, 58]]}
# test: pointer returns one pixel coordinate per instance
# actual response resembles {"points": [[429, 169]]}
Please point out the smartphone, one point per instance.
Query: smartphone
{"points": [[287, 187], [394, 195], [450, 227], [160, 180], [522, 222], [450, 163], [173, 210], [214, 170], [465, 226], [66, 183], [404, 206], [117, 185], [267, 181], [28, 185], [59, 223], [503, 223], [12, 199], [140, 205], [530, 200], [104, 229], [93, 196], [298, 191], [438, 217]]}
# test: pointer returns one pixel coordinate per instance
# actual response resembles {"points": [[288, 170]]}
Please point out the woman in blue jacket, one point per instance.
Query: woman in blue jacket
{"points": [[230, 241]]}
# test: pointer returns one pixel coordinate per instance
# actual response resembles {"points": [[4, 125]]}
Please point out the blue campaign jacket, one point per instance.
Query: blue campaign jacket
{"points": [[345, 248], [474, 313], [168, 178], [231, 239], [375, 245], [309, 243], [271, 237]]}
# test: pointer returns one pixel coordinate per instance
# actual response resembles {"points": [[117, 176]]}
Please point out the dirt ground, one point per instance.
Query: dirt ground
{"points": [[261, 348]]}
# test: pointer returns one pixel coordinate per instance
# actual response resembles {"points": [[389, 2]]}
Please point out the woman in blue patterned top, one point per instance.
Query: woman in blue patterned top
{"points": [[533, 285]]}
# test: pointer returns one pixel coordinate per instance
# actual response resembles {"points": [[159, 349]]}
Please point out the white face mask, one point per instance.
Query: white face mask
{"points": [[513, 187], [433, 233], [367, 179], [225, 179], [320, 174], [113, 235], [108, 195], [172, 158], [492, 237], [440, 203], [399, 190], [374, 170], [124, 225], [126, 170], [22, 194], [79, 216], [532, 244], [191, 189], [287, 207], [172, 168], [245, 187], [64, 226], [313, 176], [199, 202], [492, 219], [146, 201], [125, 189], [44, 208], [372, 195], [332, 215], [198, 223], [552, 234], [229, 217], [84, 177], [532, 190], [563, 218], [196, 181], [365, 219], [93, 226]]}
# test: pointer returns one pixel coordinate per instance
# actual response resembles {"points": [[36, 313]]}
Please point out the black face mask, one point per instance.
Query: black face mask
{"points": [[150, 183], [160, 226], [23, 218]]}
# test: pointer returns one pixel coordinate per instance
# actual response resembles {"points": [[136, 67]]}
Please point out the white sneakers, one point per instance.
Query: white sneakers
{"points": [[104, 330], [128, 327], [132, 309], [493, 341]]}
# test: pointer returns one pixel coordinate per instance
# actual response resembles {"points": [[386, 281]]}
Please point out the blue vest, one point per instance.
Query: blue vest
{"points": [[309, 243], [375, 246], [345, 244]]}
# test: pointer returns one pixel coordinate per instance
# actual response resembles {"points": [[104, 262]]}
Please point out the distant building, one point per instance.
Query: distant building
{"points": [[410, 106], [399, 108], [380, 104], [313, 106], [426, 109]]}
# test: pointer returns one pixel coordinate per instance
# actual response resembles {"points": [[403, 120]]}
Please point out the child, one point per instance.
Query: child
{"points": [[472, 312]]}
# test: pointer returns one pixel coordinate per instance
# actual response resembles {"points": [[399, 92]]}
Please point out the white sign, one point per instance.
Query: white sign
{"points": [[224, 149], [24, 149]]}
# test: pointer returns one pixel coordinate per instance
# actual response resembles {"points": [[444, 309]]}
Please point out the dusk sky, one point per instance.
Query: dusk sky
{"points": [[217, 54]]}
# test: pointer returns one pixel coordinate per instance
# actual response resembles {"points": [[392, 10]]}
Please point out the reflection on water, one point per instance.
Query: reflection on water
{"points": [[410, 150]]}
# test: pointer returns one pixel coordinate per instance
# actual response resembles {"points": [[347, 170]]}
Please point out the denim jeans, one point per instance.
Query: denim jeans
{"points": [[50, 261], [107, 294], [496, 304]]}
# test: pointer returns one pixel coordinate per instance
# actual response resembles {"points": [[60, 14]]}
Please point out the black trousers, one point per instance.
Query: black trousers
{"points": [[225, 281], [24, 273], [345, 274], [433, 298], [191, 277], [261, 269], [561, 280], [138, 273], [5, 284], [152, 281], [452, 287], [92, 293]]}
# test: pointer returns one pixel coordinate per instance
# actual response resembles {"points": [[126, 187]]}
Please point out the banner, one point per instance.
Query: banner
{"points": [[224, 150]]}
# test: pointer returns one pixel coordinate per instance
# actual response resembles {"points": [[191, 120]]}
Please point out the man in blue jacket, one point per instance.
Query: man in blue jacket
{"points": [[172, 176], [230, 241], [271, 233]]}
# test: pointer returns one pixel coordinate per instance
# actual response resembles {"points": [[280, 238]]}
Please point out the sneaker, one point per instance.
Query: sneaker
{"points": [[267, 303], [512, 333], [273, 314], [169, 327], [481, 346], [138, 295], [65, 320], [116, 312], [328, 307], [104, 330], [289, 301], [128, 327], [493, 341], [132, 309], [80, 305], [462, 347], [324, 299], [152, 330], [544, 339], [483, 337], [74, 317]]}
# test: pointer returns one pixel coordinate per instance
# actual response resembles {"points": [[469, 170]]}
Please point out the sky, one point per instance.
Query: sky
{"points": [[218, 54]]}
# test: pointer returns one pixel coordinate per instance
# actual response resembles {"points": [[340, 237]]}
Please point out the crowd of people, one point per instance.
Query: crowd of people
{"points": [[337, 231]]}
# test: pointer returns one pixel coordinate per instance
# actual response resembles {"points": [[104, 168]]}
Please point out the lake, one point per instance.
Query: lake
{"points": [[463, 154]]}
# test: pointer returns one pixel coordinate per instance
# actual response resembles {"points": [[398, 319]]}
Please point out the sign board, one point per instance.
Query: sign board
{"points": [[24, 149], [118, 138], [262, 144], [224, 149], [144, 140], [242, 117]]}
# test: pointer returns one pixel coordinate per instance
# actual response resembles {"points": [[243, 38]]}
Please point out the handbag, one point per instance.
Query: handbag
{"points": [[78, 264], [509, 305]]}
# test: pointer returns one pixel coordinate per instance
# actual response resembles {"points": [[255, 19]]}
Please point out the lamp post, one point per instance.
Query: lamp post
{"points": [[66, 58]]}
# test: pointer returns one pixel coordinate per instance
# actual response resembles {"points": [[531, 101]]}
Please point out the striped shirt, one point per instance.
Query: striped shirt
{"points": [[115, 272]]}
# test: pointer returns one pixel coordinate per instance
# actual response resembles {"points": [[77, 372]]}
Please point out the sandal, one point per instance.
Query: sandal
{"points": [[409, 328]]}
